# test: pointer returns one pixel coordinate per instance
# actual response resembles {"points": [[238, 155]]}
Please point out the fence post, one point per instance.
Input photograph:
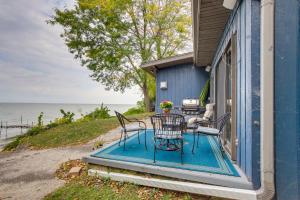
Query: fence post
{"points": [[6, 131], [21, 125]]}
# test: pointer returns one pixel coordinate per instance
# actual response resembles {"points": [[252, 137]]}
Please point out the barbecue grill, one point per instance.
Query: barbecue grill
{"points": [[191, 107]]}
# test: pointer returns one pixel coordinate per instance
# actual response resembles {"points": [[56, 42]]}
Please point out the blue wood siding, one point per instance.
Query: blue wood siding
{"points": [[245, 22], [287, 99], [184, 81]]}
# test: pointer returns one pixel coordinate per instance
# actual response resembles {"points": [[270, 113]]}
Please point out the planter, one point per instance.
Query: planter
{"points": [[166, 106], [166, 111]]}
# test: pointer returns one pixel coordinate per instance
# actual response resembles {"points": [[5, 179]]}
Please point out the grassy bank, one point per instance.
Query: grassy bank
{"points": [[69, 134]]}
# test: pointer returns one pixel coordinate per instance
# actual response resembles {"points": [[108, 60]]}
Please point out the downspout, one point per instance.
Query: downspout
{"points": [[267, 189]]}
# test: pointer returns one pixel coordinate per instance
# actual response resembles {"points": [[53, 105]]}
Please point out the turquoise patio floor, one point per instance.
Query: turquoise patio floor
{"points": [[207, 157]]}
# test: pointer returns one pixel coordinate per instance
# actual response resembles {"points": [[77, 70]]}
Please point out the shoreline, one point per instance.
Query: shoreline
{"points": [[27, 113]]}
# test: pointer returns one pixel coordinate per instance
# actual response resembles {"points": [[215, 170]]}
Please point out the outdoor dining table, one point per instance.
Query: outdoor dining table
{"points": [[169, 127]]}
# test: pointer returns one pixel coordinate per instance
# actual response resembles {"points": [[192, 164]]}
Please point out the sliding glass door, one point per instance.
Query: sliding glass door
{"points": [[226, 95]]}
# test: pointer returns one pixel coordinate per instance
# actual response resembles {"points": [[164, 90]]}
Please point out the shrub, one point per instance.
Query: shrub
{"points": [[98, 113], [12, 145], [35, 130], [133, 111], [40, 119], [68, 117], [140, 108]]}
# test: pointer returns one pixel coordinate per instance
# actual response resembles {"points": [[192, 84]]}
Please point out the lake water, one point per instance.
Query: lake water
{"points": [[12, 113]]}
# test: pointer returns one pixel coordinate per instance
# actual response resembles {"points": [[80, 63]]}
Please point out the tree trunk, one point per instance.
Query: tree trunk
{"points": [[146, 99]]}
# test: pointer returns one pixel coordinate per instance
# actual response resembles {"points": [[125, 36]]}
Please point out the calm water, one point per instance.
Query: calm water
{"points": [[12, 112]]}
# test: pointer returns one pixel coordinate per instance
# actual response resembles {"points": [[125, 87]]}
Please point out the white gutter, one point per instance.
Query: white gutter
{"points": [[267, 189]]}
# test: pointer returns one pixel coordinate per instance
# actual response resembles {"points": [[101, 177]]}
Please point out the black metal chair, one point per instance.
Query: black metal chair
{"points": [[168, 133], [126, 129], [218, 131]]}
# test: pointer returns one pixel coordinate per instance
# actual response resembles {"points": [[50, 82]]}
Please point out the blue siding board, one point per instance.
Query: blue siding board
{"points": [[287, 98], [248, 89], [255, 82], [238, 85], [248, 102], [184, 81], [244, 20], [242, 89]]}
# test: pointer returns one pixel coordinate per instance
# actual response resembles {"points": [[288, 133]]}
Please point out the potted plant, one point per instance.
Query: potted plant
{"points": [[166, 106]]}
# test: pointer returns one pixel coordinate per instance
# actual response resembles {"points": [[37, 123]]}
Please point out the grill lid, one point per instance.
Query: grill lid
{"points": [[190, 102]]}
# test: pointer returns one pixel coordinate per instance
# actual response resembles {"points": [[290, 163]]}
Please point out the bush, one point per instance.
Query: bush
{"points": [[12, 145], [35, 130], [98, 113], [133, 111], [40, 119], [68, 117], [140, 108]]}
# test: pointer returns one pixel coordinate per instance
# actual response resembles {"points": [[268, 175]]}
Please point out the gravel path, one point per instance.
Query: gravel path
{"points": [[29, 174]]}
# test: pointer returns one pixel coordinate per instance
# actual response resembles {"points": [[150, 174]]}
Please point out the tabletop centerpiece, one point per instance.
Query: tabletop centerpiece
{"points": [[166, 106]]}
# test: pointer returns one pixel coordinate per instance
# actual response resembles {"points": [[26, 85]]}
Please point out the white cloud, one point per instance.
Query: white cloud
{"points": [[35, 65]]}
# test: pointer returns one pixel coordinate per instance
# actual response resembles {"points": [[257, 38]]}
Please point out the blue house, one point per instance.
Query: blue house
{"points": [[253, 50], [177, 78], [249, 50]]}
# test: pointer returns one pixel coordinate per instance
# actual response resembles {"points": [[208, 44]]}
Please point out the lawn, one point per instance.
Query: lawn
{"points": [[86, 187], [70, 134], [119, 191]]}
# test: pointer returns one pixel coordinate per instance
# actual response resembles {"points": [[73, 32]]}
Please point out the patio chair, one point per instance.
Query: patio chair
{"points": [[192, 122], [206, 119], [126, 129], [217, 132], [168, 133]]}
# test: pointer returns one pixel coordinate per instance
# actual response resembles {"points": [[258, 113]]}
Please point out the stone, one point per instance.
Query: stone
{"points": [[75, 171]]}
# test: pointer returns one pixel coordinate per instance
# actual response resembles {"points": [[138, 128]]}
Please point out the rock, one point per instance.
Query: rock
{"points": [[75, 171]]}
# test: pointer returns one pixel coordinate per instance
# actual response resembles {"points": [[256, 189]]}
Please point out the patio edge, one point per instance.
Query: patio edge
{"points": [[200, 177], [195, 188]]}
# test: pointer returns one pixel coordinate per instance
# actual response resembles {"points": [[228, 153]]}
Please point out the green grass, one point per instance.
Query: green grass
{"points": [[69, 134], [107, 191], [79, 191], [92, 187], [82, 192]]}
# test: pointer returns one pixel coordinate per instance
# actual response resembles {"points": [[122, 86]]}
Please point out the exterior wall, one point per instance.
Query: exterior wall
{"points": [[287, 98], [245, 23], [184, 81]]}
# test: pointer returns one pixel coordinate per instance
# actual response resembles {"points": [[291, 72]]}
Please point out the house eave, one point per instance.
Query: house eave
{"points": [[209, 21], [152, 66]]}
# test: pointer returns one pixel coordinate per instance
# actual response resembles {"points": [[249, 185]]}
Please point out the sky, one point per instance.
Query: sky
{"points": [[35, 65]]}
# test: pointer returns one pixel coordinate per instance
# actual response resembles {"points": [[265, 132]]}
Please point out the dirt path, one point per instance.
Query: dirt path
{"points": [[29, 174]]}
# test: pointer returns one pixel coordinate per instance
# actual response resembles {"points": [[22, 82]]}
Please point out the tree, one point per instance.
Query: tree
{"points": [[113, 38]]}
